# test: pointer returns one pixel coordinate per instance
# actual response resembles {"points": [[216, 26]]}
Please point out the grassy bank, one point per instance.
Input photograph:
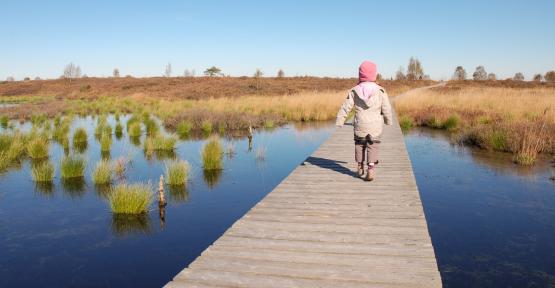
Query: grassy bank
{"points": [[516, 119]]}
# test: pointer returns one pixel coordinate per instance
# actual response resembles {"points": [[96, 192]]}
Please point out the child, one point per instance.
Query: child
{"points": [[372, 109]]}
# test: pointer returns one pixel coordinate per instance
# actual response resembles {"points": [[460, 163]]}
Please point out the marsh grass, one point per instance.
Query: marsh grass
{"points": [[212, 155], [119, 130], [105, 142], [269, 124], [406, 123], [120, 166], [177, 172], [80, 136], [102, 173], [184, 128], [160, 143], [134, 129], [151, 127], [130, 198], [37, 148], [206, 127], [4, 121], [72, 166], [43, 172]]}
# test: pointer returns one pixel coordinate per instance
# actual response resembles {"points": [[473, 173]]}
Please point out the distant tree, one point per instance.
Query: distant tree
{"points": [[85, 76], [379, 77], [480, 74], [414, 70], [37, 78], [549, 76], [518, 77], [116, 73], [188, 73], [400, 74], [168, 71], [10, 79], [460, 73], [26, 79], [492, 77], [72, 71], [538, 77], [213, 71], [258, 73], [280, 73]]}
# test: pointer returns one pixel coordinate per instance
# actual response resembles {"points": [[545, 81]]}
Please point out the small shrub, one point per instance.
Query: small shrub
{"points": [[130, 198], [451, 123], [80, 136], [105, 142], [72, 167], [406, 123], [206, 127], [102, 173], [4, 121], [177, 172], [184, 128], [151, 127], [43, 172], [212, 155], [37, 148]]}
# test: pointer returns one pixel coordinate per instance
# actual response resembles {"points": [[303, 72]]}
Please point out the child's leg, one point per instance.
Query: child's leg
{"points": [[372, 154], [360, 151]]}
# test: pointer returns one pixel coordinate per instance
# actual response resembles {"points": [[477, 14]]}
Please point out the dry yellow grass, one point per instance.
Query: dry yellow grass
{"points": [[517, 120]]}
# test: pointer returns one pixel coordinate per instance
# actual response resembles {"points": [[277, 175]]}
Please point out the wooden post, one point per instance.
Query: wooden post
{"points": [[161, 202], [250, 138]]}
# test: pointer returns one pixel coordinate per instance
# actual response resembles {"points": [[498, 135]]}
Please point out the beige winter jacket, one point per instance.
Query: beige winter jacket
{"points": [[372, 110]]}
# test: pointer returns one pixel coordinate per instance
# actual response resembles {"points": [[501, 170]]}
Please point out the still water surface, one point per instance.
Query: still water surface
{"points": [[491, 222]]}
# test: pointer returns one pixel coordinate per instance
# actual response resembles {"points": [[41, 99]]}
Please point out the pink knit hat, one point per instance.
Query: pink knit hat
{"points": [[367, 72]]}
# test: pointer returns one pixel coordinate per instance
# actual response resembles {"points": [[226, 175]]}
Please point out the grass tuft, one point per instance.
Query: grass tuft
{"points": [[134, 129], [72, 167], [43, 172], [177, 172], [206, 127], [102, 173], [105, 142], [184, 128], [212, 155], [38, 147], [406, 123], [80, 136], [130, 198]]}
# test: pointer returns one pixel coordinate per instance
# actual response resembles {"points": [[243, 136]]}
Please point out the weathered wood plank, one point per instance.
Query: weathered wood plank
{"points": [[323, 227]]}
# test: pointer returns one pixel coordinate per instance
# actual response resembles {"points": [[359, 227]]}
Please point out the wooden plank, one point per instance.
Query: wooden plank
{"points": [[323, 227]]}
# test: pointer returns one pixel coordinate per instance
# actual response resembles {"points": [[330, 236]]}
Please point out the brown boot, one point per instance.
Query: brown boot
{"points": [[360, 170], [370, 174]]}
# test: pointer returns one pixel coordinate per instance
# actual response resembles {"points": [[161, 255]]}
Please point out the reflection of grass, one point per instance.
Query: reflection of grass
{"points": [[177, 172], [43, 172], [178, 193], [130, 198], [159, 143], [102, 173], [119, 130], [211, 177], [72, 167], [74, 187], [80, 136], [105, 142], [212, 155], [134, 129], [125, 224], [260, 153], [45, 188]]}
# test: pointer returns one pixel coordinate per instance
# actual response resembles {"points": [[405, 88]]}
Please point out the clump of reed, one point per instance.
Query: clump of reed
{"points": [[160, 143], [269, 124], [406, 123], [4, 121], [130, 198], [80, 136], [120, 166], [72, 166], [37, 148], [177, 172], [105, 142], [184, 128], [118, 130], [102, 173], [151, 126], [212, 155], [43, 172], [134, 129], [12, 148], [206, 127]]}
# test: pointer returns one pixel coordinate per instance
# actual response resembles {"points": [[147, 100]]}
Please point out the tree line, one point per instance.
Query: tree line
{"points": [[480, 74]]}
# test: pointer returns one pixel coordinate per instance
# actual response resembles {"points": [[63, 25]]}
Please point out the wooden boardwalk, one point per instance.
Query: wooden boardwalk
{"points": [[322, 227]]}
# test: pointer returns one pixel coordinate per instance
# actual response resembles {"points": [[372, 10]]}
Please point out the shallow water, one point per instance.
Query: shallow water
{"points": [[492, 223], [65, 235]]}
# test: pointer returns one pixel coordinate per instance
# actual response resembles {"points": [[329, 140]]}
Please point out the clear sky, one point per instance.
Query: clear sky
{"points": [[322, 38]]}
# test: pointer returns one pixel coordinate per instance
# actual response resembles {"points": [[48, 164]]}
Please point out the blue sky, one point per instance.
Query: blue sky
{"points": [[322, 38]]}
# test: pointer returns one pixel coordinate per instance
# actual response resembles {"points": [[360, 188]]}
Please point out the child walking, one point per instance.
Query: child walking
{"points": [[372, 110]]}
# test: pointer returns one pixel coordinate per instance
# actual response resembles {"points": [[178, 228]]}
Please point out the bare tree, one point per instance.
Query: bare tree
{"points": [[116, 73], [538, 77], [168, 71], [460, 73], [518, 77], [187, 73], [400, 75], [492, 77], [258, 73], [72, 71], [37, 78], [213, 71], [280, 73], [549, 76], [414, 70], [480, 74]]}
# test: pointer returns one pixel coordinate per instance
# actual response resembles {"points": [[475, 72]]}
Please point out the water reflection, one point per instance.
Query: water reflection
{"points": [[102, 190], [129, 224], [136, 141], [178, 193], [212, 177], [80, 147], [45, 189], [74, 187]]}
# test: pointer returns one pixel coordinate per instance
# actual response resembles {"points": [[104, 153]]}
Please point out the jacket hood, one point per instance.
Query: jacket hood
{"points": [[365, 91]]}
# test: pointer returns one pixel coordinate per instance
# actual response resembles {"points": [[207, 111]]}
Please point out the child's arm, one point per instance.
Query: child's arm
{"points": [[344, 110], [386, 109]]}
